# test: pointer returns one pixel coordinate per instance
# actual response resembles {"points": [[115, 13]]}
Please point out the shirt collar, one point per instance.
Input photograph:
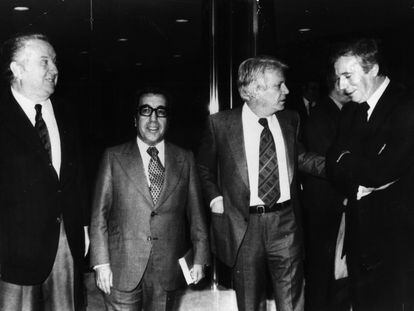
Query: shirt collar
{"points": [[143, 147], [24, 101], [249, 116], [373, 100]]}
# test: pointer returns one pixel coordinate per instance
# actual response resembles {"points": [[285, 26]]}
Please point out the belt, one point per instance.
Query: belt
{"points": [[262, 209]]}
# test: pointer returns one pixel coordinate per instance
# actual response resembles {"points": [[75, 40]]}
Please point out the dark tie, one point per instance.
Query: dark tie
{"points": [[156, 174], [363, 111], [269, 190], [41, 128]]}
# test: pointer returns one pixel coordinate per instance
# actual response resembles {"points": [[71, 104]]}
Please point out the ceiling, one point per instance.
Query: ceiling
{"points": [[88, 34], [100, 70]]}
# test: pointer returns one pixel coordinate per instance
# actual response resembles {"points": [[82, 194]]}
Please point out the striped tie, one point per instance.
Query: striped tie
{"points": [[269, 190], [41, 128]]}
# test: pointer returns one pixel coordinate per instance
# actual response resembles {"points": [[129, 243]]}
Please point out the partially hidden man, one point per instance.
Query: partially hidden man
{"points": [[147, 213], [42, 207], [247, 163]]}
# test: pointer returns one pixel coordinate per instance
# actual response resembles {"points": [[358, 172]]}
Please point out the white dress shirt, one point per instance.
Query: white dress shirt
{"points": [[143, 147], [251, 132], [48, 115]]}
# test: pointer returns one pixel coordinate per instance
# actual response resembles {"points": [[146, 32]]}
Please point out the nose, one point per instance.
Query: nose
{"points": [[53, 67], [153, 116], [342, 83], [285, 90]]}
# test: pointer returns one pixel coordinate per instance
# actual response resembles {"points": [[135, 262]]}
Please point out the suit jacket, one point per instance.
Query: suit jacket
{"points": [[32, 197], [320, 133], [223, 171], [380, 224], [322, 209], [126, 227]]}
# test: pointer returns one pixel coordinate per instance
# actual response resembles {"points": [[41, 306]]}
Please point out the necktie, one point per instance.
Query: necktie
{"points": [[363, 111], [156, 174], [269, 190], [41, 128]]}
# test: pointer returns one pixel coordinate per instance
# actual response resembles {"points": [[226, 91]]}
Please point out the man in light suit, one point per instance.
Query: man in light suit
{"points": [[372, 162], [143, 202], [247, 163], [42, 206]]}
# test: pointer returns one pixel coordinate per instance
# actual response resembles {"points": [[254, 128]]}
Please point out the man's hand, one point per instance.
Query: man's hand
{"points": [[364, 191], [197, 273], [103, 275], [87, 241]]}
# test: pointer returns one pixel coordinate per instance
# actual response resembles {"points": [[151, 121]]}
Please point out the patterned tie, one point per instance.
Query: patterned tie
{"points": [[156, 174], [41, 128], [269, 190]]}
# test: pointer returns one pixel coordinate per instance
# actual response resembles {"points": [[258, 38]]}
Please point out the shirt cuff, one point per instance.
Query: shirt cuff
{"points": [[216, 199], [342, 154], [101, 265]]}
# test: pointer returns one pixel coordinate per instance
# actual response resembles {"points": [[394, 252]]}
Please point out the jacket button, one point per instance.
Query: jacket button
{"points": [[149, 238], [153, 214]]}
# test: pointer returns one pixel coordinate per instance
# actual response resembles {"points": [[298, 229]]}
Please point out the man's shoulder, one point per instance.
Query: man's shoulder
{"points": [[226, 114], [175, 149], [125, 147], [289, 115]]}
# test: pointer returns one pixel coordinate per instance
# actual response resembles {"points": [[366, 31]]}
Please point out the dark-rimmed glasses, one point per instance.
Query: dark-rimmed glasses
{"points": [[146, 111]]}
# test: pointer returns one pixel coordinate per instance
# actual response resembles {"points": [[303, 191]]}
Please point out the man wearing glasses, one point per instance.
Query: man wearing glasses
{"points": [[146, 193]]}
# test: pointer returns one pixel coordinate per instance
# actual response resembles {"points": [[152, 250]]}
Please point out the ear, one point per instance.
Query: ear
{"points": [[374, 70], [17, 69]]}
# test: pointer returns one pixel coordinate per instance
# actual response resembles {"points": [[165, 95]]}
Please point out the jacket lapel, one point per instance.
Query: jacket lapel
{"points": [[131, 162], [382, 110], [174, 161], [236, 143]]}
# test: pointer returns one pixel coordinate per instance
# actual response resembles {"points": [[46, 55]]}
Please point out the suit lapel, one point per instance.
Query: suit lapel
{"points": [[236, 143], [174, 161], [382, 110], [131, 162], [288, 132]]}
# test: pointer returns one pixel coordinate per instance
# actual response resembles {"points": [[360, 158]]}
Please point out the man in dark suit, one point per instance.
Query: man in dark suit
{"points": [[323, 208], [247, 163], [147, 191], [41, 203], [372, 162]]}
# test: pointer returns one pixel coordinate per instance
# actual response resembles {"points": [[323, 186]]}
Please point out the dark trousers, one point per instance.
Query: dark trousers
{"points": [[270, 245], [55, 293], [149, 295]]}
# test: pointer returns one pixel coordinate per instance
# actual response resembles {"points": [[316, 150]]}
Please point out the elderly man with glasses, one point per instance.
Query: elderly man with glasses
{"points": [[147, 193]]}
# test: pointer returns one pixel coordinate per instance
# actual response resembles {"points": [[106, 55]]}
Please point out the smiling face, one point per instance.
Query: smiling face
{"points": [[151, 129], [34, 69], [352, 78], [270, 94]]}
